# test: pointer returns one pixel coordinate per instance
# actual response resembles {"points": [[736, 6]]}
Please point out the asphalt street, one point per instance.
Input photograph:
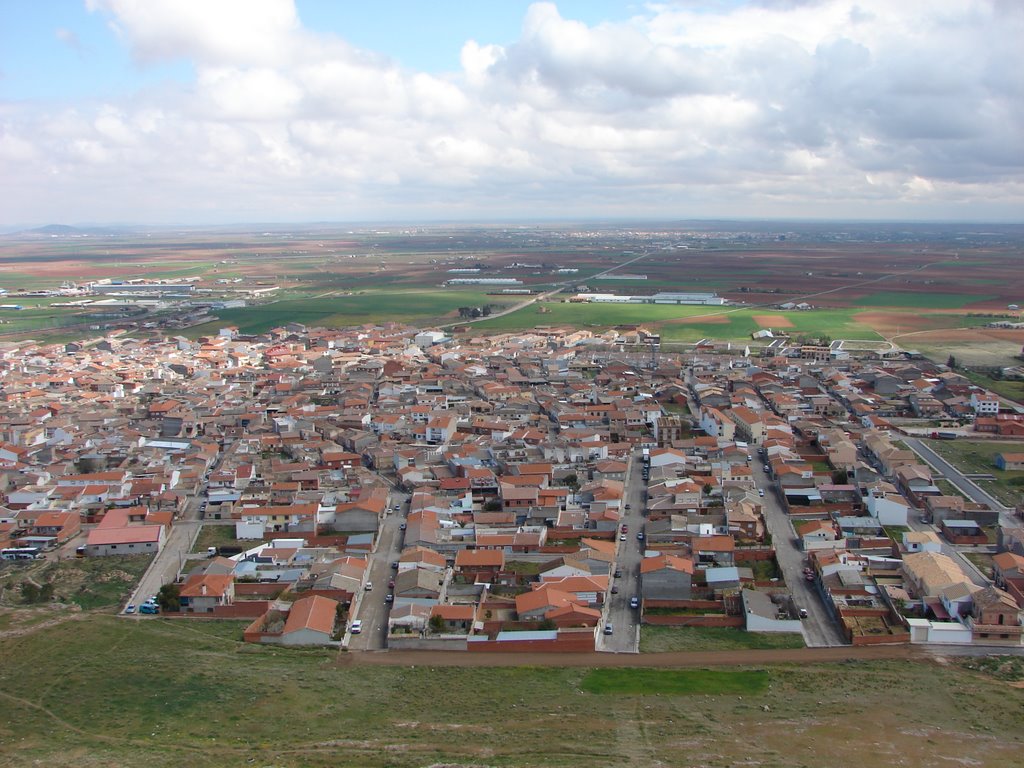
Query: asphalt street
{"points": [[369, 606], [819, 628]]}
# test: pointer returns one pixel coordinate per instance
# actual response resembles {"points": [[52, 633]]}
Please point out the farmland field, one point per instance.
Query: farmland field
{"points": [[910, 284], [226, 703], [922, 300]]}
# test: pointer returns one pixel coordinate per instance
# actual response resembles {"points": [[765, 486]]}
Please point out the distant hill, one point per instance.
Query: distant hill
{"points": [[65, 230]]}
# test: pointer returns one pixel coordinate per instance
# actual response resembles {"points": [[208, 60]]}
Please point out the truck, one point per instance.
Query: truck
{"points": [[647, 455], [223, 551], [944, 435]]}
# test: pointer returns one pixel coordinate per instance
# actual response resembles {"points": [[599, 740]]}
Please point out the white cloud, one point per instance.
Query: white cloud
{"points": [[838, 107]]}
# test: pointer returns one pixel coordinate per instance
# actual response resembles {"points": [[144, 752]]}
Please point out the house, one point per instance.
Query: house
{"points": [[666, 577], [62, 526], [1007, 565], [310, 621], [928, 573], [202, 593], [453, 618], [819, 534], [1009, 461], [995, 618], [762, 615], [479, 566], [921, 541], [124, 540]]}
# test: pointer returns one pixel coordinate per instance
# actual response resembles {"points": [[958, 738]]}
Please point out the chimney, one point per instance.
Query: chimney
{"points": [[202, 589]]}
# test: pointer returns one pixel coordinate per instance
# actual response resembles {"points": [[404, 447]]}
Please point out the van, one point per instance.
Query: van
{"points": [[149, 608]]}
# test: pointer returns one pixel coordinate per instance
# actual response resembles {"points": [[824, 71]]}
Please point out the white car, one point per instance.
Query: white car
{"points": [[369, 586], [356, 627]]}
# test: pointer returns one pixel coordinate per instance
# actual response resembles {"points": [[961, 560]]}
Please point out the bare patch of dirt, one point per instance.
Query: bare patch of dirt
{"points": [[773, 321]]}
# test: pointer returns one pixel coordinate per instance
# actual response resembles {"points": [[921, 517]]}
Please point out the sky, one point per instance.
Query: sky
{"points": [[232, 111]]}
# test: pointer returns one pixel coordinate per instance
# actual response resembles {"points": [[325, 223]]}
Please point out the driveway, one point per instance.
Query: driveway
{"points": [[820, 629]]}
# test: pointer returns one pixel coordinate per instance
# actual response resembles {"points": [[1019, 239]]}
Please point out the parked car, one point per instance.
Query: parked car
{"points": [[618, 573], [389, 598], [369, 586], [356, 627], [625, 529], [634, 602], [803, 613], [402, 527], [615, 589], [149, 608], [130, 608], [391, 583], [640, 536], [608, 629], [628, 506], [760, 491]]}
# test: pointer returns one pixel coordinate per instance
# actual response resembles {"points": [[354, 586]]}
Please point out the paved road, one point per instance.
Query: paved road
{"points": [[951, 551], [170, 561], [626, 637], [820, 628], [951, 473], [369, 607]]}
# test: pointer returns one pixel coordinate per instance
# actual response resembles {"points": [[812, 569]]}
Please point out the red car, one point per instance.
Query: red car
{"points": [[625, 529]]}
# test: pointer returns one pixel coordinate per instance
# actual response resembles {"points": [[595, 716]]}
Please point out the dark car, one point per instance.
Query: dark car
{"points": [[640, 536], [389, 598], [618, 573], [615, 589]]}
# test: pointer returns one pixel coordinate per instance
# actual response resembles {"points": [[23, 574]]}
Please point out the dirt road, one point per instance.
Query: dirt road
{"points": [[675, 659]]}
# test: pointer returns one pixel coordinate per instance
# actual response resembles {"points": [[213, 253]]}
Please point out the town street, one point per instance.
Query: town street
{"points": [[625, 620], [369, 606], [820, 627]]}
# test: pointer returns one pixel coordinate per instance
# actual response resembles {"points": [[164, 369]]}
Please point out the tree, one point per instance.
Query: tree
{"points": [[706, 489], [547, 624], [169, 598], [494, 505], [436, 624], [839, 477], [951, 362], [571, 481], [486, 310]]}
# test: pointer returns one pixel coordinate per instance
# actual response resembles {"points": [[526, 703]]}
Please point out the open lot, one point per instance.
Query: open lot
{"points": [[977, 456], [662, 639], [91, 582], [125, 692]]}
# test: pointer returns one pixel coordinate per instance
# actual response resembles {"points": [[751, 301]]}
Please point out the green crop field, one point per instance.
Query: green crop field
{"points": [[683, 322], [98, 690], [920, 300], [344, 310]]}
